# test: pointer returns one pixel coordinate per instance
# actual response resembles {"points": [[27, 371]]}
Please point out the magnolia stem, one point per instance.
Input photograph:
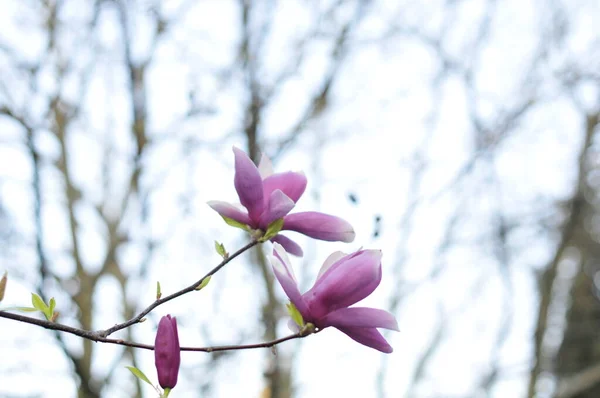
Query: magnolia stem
{"points": [[102, 335], [97, 337], [138, 318]]}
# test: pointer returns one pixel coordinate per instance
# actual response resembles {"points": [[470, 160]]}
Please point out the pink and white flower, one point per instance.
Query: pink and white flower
{"points": [[343, 281], [268, 196]]}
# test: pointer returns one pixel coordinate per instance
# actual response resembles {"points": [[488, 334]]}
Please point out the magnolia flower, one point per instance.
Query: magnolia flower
{"points": [[342, 281], [269, 197], [167, 356]]}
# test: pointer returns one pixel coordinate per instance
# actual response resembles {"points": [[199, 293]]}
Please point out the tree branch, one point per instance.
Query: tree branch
{"points": [[192, 287], [579, 382], [546, 283], [97, 336]]}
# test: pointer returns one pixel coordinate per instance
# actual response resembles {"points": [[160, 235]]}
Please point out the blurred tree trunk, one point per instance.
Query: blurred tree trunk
{"points": [[580, 348], [278, 376]]}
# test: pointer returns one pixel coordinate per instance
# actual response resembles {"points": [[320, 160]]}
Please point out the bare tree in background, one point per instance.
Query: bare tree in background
{"points": [[260, 94], [553, 75], [113, 196], [90, 82], [576, 363], [94, 104]]}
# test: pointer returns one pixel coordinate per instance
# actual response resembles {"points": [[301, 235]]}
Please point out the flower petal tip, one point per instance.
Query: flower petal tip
{"points": [[265, 167], [349, 236], [320, 226], [248, 184], [374, 254], [289, 245], [228, 210]]}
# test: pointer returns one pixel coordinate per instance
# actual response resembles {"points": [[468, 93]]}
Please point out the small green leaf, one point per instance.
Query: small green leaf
{"points": [[295, 314], [273, 229], [158, 292], [38, 303], [24, 309], [139, 374], [203, 284], [220, 248], [233, 223], [52, 306]]}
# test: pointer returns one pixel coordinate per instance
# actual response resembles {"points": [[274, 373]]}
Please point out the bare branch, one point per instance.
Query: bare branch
{"points": [[571, 386], [99, 338], [138, 318]]}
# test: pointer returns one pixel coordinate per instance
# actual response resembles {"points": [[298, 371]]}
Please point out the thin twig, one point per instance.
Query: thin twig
{"points": [[191, 288], [97, 337]]}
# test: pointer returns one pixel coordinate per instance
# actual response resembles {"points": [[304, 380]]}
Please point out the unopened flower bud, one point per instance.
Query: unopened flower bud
{"points": [[167, 356]]}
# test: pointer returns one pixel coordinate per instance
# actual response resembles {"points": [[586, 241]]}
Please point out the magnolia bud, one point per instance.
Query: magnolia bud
{"points": [[167, 356]]}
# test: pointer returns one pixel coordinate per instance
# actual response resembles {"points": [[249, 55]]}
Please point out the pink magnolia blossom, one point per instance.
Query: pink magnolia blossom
{"points": [[343, 281], [268, 197], [167, 355]]}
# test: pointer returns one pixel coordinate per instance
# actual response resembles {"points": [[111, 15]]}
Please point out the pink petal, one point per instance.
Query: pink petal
{"points": [[293, 326], [265, 167], [278, 206], [361, 317], [320, 226], [331, 263], [248, 184], [369, 337], [230, 211], [285, 275], [292, 184], [167, 357], [332, 259], [289, 245], [348, 281], [280, 253]]}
